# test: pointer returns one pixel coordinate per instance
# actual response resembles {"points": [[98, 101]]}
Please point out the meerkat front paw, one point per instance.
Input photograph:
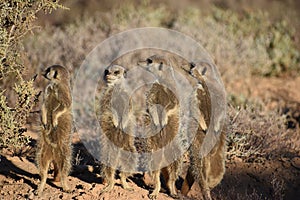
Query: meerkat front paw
{"points": [[154, 115], [115, 117], [44, 126], [54, 124]]}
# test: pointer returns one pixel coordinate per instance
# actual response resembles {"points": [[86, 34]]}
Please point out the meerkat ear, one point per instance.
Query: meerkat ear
{"points": [[125, 73]]}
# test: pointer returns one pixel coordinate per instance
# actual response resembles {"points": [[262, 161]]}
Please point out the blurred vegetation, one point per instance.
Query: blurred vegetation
{"points": [[247, 43], [18, 95], [275, 37]]}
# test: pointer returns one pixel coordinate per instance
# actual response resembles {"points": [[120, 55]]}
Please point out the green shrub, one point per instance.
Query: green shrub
{"points": [[246, 44], [276, 38], [18, 95]]}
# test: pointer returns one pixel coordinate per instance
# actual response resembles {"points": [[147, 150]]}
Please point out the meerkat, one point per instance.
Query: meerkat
{"points": [[163, 108], [208, 171], [54, 144], [115, 121]]}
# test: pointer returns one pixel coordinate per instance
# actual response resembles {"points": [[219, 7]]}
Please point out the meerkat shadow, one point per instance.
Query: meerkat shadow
{"points": [[138, 180], [9, 169], [85, 167]]}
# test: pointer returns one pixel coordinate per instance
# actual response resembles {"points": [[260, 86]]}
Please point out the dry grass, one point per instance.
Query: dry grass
{"points": [[255, 134]]}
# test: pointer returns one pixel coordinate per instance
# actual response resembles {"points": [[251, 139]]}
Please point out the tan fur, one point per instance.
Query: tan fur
{"points": [[209, 170], [113, 126], [55, 141], [168, 121]]}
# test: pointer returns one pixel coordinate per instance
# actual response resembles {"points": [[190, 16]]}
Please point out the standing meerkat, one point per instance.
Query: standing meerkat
{"points": [[116, 123], [208, 171], [163, 108], [54, 144]]}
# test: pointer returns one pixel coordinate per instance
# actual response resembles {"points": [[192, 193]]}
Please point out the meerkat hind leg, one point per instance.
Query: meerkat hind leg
{"points": [[61, 174], [63, 178], [110, 178], [43, 171], [123, 177], [157, 185], [56, 173], [171, 186], [188, 182]]}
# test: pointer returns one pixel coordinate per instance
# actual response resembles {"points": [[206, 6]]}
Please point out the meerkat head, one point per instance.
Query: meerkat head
{"points": [[114, 74], [156, 64], [56, 73], [199, 69]]}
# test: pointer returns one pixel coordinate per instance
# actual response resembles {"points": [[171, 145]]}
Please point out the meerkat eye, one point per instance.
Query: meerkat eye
{"points": [[149, 60], [116, 72], [106, 72]]}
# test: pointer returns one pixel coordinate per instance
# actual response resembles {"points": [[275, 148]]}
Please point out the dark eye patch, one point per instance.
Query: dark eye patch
{"points": [[160, 66], [116, 72], [149, 61], [46, 72], [106, 72], [193, 65], [204, 71], [55, 74]]}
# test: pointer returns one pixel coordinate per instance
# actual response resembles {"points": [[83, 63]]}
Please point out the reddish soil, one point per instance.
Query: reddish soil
{"points": [[269, 180]]}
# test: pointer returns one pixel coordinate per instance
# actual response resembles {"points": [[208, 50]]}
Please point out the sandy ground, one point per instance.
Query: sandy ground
{"points": [[19, 179]]}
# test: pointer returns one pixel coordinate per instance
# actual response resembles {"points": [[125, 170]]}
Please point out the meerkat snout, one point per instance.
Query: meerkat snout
{"points": [[114, 74], [194, 69]]}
